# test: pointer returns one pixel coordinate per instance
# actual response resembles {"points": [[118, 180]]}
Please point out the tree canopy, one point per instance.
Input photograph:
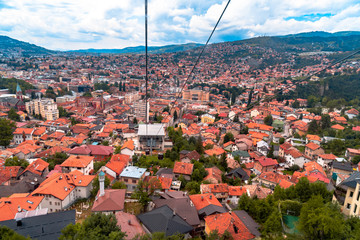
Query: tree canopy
{"points": [[96, 227], [7, 128]]}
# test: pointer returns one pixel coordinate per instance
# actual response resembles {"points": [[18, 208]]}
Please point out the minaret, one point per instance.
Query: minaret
{"points": [[101, 181]]}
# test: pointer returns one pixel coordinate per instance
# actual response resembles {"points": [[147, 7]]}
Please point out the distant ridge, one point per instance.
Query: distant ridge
{"points": [[323, 34], [12, 48], [141, 49], [314, 41]]}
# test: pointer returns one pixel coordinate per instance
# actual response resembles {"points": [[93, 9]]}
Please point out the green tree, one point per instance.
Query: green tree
{"points": [[119, 185], [228, 137], [273, 224], [321, 221], [117, 150], [175, 115], [313, 127], [12, 114], [96, 227], [9, 234], [63, 112], [135, 121], [15, 161], [7, 128], [87, 94], [325, 121], [355, 159], [192, 187], [268, 120]]}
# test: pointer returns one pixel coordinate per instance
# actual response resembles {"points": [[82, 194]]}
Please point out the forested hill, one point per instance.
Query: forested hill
{"points": [[10, 47], [10, 83]]}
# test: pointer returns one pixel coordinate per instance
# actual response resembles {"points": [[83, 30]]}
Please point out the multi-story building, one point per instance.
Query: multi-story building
{"points": [[140, 109], [46, 107], [195, 95], [132, 97]]}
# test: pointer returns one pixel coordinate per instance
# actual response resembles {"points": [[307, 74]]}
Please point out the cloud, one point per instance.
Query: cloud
{"points": [[79, 24]]}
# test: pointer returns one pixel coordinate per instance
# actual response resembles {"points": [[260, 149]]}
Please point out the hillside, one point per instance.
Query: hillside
{"points": [[141, 49], [10, 47]]}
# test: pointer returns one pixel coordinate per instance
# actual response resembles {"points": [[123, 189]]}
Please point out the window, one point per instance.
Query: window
{"points": [[355, 208], [351, 193], [125, 180], [348, 206], [358, 196], [50, 203], [133, 181]]}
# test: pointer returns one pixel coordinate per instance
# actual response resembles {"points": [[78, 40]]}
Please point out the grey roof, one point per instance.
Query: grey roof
{"points": [[239, 173], [211, 209], [352, 180], [163, 219], [248, 221], [151, 130], [182, 207], [346, 166], [43, 227], [164, 171], [240, 153]]}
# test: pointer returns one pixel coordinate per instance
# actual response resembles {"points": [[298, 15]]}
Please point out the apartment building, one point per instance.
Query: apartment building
{"points": [[45, 107]]}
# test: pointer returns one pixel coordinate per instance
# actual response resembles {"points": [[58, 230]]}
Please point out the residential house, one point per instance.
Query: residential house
{"points": [[263, 164], [163, 219], [128, 148], [117, 164], [325, 160], [131, 176], [351, 152], [229, 222], [189, 156], [184, 169], [129, 224], [38, 167], [84, 164], [23, 134], [294, 157], [9, 206], [99, 152], [109, 201], [206, 204], [313, 150], [235, 192], [341, 168], [220, 190], [61, 190], [213, 175], [238, 173], [38, 224]]}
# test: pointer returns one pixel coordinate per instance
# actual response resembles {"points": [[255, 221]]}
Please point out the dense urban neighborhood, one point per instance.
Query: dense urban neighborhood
{"points": [[262, 142]]}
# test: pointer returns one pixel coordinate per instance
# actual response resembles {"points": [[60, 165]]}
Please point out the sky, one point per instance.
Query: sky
{"points": [[82, 24]]}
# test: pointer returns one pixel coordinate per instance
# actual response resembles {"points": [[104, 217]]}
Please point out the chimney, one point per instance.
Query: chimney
{"points": [[210, 196], [129, 222], [101, 182], [19, 209]]}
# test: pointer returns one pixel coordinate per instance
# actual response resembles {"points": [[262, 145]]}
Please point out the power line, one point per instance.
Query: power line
{"points": [[198, 58], [146, 63]]}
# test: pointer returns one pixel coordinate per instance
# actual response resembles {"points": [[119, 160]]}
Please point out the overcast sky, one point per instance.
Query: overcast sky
{"points": [[81, 24]]}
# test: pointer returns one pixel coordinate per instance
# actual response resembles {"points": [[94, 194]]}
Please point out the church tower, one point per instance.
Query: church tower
{"points": [[18, 92]]}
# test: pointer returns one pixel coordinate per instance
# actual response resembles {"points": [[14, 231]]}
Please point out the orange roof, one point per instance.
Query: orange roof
{"points": [[116, 166], [203, 200], [217, 151], [236, 190], [77, 161], [60, 185], [337, 127], [9, 206], [23, 130], [227, 222], [128, 144], [285, 183], [39, 131], [214, 188], [183, 168], [328, 156], [37, 166], [313, 137], [312, 146]]}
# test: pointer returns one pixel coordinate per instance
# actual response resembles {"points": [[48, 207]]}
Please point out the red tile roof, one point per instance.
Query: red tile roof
{"points": [[183, 168]]}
